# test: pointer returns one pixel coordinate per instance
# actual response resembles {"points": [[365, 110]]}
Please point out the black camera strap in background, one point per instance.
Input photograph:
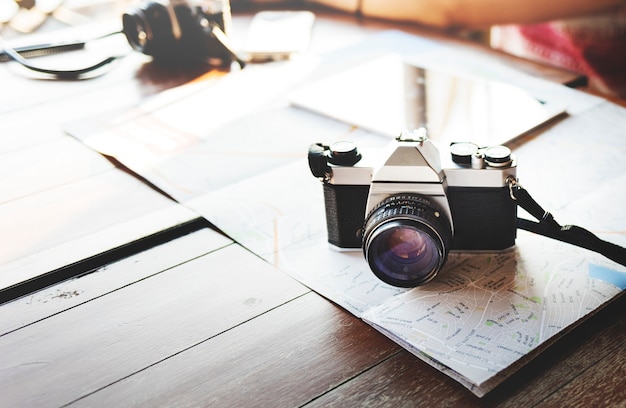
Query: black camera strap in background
{"points": [[20, 55], [570, 234]]}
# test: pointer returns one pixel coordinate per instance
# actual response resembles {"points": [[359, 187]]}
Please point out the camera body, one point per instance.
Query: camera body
{"points": [[180, 31], [409, 206]]}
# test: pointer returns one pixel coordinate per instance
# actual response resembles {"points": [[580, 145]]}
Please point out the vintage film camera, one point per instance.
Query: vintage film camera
{"points": [[406, 211], [171, 32], [181, 31]]}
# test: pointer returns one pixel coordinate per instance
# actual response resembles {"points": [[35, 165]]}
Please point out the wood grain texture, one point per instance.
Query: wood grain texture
{"points": [[75, 292], [62, 225], [601, 385], [47, 165], [283, 358], [83, 349]]}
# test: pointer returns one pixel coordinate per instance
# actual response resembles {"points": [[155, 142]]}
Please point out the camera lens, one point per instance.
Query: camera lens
{"points": [[149, 28], [406, 240], [136, 30]]}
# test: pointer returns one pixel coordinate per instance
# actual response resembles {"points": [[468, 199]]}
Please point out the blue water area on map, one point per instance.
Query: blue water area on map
{"points": [[617, 278]]}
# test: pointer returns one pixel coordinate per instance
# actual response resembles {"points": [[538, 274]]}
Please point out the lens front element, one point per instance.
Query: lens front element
{"points": [[408, 244], [406, 240]]}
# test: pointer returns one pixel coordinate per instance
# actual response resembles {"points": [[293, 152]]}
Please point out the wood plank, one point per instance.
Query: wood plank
{"points": [[401, 381], [75, 292], [83, 349], [60, 226], [283, 358], [602, 385], [17, 131], [47, 165]]}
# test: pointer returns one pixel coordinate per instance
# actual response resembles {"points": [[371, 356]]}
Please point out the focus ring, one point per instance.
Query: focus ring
{"points": [[406, 240]]}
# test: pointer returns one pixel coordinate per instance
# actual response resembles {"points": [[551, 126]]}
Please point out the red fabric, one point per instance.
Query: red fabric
{"points": [[594, 46]]}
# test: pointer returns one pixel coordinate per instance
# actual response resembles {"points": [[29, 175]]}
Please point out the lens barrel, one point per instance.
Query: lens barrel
{"points": [[136, 29], [406, 240]]}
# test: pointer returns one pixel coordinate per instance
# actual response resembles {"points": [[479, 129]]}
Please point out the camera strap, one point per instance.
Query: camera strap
{"points": [[318, 161], [18, 55], [548, 227]]}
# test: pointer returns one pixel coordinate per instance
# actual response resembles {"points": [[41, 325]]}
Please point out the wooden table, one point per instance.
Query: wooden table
{"points": [[160, 322]]}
